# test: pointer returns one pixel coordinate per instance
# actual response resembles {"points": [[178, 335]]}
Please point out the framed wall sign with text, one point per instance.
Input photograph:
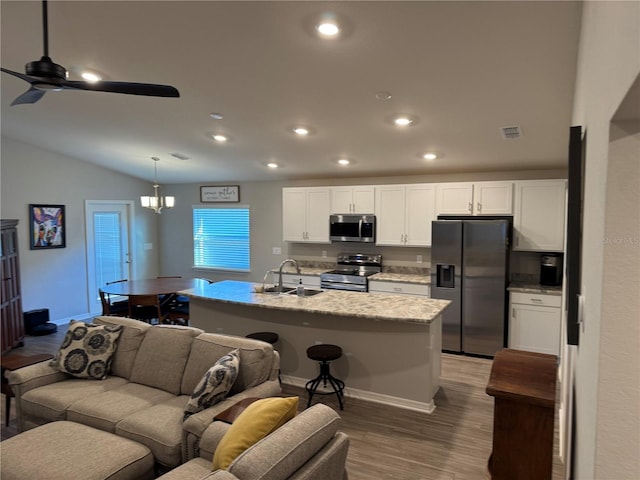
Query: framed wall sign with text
{"points": [[220, 193]]}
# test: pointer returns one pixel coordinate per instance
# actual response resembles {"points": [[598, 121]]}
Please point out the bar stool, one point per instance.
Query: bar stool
{"points": [[269, 337], [324, 354]]}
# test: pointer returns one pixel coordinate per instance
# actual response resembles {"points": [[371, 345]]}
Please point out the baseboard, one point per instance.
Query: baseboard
{"points": [[371, 396]]}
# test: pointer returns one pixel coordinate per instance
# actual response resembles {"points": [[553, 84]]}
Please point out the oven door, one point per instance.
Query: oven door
{"points": [[343, 285]]}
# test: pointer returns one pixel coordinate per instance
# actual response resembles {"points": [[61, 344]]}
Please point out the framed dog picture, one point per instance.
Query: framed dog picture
{"points": [[47, 226]]}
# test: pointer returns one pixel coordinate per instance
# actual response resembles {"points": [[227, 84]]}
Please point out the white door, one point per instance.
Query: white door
{"points": [[108, 246]]}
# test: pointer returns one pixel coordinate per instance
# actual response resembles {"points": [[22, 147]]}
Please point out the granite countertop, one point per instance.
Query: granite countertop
{"points": [[390, 307], [402, 277], [313, 271], [531, 287]]}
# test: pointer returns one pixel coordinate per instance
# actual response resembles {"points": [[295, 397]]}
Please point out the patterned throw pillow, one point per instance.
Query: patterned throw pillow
{"points": [[215, 384], [87, 350]]}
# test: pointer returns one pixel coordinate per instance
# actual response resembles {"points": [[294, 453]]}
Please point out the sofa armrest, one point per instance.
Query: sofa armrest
{"points": [[211, 438], [274, 374], [193, 427], [27, 378]]}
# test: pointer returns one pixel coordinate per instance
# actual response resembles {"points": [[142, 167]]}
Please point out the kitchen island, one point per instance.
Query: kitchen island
{"points": [[391, 343]]}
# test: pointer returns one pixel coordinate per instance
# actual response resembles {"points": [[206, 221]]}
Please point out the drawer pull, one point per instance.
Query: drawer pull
{"points": [[536, 300]]}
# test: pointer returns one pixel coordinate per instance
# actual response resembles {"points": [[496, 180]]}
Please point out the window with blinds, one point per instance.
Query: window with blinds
{"points": [[108, 247], [221, 238]]}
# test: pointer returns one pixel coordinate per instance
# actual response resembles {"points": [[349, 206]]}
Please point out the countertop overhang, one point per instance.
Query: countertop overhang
{"points": [[389, 307]]}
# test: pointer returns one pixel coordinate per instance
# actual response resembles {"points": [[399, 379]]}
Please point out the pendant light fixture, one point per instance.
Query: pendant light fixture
{"points": [[157, 203]]}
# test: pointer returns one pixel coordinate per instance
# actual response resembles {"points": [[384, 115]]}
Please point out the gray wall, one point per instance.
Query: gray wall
{"points": [[607, 416], [57, 278]]}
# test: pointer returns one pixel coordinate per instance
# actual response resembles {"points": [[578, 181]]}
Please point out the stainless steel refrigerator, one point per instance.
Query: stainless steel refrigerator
{"points": [[470, 267]]}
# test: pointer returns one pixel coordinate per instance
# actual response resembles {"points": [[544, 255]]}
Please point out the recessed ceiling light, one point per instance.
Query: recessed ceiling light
{"points": [[219, 137], [402, 121], [343, 161], [91, 76], [383, 95], [272, 165], [328, 29], [302, 131], [216, 116], [429, 156]]}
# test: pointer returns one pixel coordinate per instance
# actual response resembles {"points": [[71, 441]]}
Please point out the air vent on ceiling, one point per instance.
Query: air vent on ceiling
{"points": [[180, 156], [509, 133]]}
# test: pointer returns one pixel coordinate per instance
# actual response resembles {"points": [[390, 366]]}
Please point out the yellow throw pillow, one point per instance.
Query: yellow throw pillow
{"points": [[256, 422]]}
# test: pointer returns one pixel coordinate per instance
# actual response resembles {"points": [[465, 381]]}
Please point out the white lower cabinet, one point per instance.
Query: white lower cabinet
{"points": [[415, 289], [534, 322]]}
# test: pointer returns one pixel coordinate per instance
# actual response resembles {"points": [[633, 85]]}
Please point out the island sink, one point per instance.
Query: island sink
{"points": [[308, 292], [275, 289]]}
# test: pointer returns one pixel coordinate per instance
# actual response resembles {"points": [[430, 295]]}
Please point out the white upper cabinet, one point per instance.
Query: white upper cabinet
{"points": [[479, 198], [493, 198], [305, 214], [454, 199], [404, 214], [539, 215], [358, 199]]}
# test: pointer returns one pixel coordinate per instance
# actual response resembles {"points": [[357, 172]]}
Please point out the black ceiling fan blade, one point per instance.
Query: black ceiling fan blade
{"points": [[147, 89], [21, 76], [30, 96]]}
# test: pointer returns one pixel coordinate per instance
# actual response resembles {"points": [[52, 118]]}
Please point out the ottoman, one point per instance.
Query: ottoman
{"points": [[67, 450]]}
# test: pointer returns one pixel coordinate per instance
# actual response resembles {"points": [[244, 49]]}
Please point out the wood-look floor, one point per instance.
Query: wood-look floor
{"points": [[386, 442]]}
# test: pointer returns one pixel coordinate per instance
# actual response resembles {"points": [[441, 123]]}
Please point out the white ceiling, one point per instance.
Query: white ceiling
{"points": [[465, 69]]}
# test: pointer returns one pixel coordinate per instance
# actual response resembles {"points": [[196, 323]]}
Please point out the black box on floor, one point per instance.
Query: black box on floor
{"points": [[36, 322]]}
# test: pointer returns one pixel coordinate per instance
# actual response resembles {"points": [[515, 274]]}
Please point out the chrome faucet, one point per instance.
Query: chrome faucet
{"points": [[284, 262]]}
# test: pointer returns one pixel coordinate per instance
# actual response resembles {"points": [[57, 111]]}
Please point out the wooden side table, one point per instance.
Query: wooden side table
{"points": [[231, 413], [14, 362], [524, 387]]}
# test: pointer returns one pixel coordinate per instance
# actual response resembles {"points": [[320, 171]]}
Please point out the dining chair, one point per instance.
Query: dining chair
{"points": [[147, 308], [121, 306], [118, 309]]}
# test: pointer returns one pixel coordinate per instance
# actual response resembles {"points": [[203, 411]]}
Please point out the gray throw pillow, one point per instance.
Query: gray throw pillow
{"points": [[87, 350], [215, 384]]}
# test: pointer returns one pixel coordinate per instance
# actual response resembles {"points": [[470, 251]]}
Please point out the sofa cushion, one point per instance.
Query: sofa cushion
{"points": [[256, 422], [162, 357], [256, 359], [87, 349], [159, 428], [292, 446], [215, 384], [133, 332], [104, 410], [50, 402]]}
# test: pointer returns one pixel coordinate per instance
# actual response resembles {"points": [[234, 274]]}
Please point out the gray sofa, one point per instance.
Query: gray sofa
{"points": [[308, 447], [154, 371]]}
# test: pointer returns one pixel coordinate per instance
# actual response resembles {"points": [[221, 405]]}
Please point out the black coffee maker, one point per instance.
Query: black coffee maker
{"points": [[551, 269]]}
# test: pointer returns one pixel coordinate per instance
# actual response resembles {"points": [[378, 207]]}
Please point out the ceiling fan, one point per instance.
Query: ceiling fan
{"points": [[46, 76]]}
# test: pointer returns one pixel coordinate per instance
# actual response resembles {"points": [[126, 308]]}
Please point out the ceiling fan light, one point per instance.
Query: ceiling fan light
{"points": [[91, 77]]}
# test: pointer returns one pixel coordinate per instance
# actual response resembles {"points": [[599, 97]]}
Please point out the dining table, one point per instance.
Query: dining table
{"points": [[154, 286]]}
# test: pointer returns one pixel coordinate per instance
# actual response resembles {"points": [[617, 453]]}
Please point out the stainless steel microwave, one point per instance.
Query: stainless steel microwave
{"points": [[352, 228]]}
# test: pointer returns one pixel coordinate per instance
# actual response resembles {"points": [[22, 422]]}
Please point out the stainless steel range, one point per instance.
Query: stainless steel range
{"points": [[352, 272]]}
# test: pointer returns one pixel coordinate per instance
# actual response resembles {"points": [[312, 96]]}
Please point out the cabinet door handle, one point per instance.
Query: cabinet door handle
{"points": [[513, 312], [479, 207], [470, 207]]}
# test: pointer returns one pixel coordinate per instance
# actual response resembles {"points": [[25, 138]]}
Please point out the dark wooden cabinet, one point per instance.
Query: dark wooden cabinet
{"points": [[523, 385], [12, 333]]}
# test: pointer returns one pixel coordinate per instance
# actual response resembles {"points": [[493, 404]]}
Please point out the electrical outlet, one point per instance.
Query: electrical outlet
{"points": [[418, 258], [148, 246], [324, 254], [276, 251]]}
